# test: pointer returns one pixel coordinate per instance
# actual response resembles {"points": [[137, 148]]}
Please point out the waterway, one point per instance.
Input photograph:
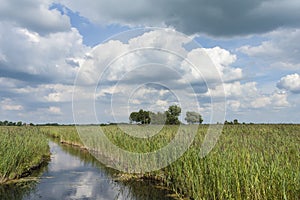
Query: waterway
{"points": [[75, 174]]}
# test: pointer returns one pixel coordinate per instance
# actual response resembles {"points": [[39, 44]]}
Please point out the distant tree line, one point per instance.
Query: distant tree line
{"points": [[169, 116], [9, 123], [235, 121]]}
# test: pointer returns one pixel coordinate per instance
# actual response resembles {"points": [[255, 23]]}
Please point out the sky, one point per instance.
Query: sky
{"points": [[96, 61]]}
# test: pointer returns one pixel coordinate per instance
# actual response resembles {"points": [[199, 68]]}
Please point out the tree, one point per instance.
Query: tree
{"points": [[173, 114], [11, 124], [19, 123], [228, 122], [193, 117], [133, 117], [142, 116], [158, 118], [235, 121]]}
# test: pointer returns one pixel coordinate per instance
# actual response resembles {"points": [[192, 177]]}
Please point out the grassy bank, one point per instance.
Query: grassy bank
{"points": [[22, 149], [66, 134], [248, 162]]}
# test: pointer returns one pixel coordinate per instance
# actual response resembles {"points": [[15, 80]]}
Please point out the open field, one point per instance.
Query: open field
{"points": [[248, 162], [21, 150]]}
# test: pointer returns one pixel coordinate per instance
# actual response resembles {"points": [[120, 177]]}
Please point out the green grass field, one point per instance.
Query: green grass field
{"points": [[21, 150], [248, 162]]}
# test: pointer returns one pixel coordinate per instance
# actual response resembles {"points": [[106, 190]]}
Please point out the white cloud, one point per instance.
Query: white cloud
{"points": [[40, 58], [132, 70], [55, 110], [279, 99], [234, 104], [7, 83], [235, 89], [119, 61], [275, 100], [261, 102], [277, 50], [9, 105], [47, 92], [161, 103], [58, 93], [290, 82], [140, 62], [220, 57], [31, 36], [247, 96], [217, 68], [34, 15], [12, 107]]}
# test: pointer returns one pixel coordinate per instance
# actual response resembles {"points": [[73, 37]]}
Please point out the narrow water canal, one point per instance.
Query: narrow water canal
{"points": [[75, 174]]}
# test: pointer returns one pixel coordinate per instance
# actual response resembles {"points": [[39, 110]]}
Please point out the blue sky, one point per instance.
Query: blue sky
{"points": [[243, 55]]}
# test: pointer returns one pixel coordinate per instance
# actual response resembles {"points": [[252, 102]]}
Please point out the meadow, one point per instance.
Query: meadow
{"points": [[22, 149], [248, 161]]}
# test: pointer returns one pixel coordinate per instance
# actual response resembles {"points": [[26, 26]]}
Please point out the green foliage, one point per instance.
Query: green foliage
{"points": [[172, 115], [64, 133], [248, 162], [193, 117], [235, 122], [19, 123], [21, 148], [146, 117], [142, 117], [8, 123], [158, 118]]}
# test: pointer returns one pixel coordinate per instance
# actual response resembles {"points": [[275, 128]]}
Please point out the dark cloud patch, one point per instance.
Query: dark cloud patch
{"points": [[212, 17], [34, 15], [23, 76]]}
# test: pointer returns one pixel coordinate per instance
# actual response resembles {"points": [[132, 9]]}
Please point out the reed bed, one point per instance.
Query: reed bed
{"points": [[66, 134], [248, 162], [22, 149]]}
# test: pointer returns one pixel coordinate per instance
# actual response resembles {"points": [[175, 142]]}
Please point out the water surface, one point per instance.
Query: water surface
{"points": [[75, 174]]}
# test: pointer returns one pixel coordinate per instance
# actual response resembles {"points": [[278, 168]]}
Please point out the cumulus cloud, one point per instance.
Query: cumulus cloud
{"points": [[41, 54], [156, 61], [32, 57], [247, 96], [54, 110], [194, 16], [261, 102], [290, 82], [279, 99], [277, 50], [9, 105], [122, 72], [158, 55], [34, 15], [149, 57]]}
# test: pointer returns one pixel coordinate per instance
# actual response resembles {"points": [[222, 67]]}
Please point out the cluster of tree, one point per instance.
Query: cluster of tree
{"points": [[141, 116], [158, 118], [172, 114], [193, 117], [9, 123], [169, 116], [235, 121], [49, 124]]}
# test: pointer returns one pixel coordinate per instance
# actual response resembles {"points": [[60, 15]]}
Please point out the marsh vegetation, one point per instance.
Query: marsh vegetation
{"points": [[248, 162]]}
